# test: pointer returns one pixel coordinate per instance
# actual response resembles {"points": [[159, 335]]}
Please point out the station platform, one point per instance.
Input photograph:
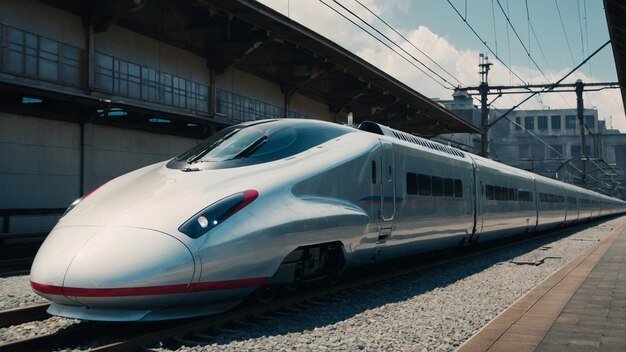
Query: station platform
{"points": [[581, 307]]}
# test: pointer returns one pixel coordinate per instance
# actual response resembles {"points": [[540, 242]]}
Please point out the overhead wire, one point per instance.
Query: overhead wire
{"points": [[582, 40], [587, 32], [389, 47], [485, 42], [556, 152], [495, 32], [520, 39], [550, 147], [558, 10], [553, 85], [408, 41], [532, 29], [580, 28], [529, 45], [508, 41]]}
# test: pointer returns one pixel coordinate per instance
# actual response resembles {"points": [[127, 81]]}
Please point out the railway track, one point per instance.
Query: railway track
{"points": [[97, 336], [17, 252]]}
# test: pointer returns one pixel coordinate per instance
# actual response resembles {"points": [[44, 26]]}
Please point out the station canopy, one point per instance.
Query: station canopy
{"points": [[616, 19], [251, 37]]}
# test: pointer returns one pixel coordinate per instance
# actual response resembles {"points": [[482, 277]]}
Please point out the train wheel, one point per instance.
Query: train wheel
{"points": [[266, 294]]}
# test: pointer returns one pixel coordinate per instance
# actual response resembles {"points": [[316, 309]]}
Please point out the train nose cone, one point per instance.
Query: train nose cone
{"points": [[124, 268], [54, 257]]}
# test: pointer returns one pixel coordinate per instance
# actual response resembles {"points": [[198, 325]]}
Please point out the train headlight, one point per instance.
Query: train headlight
{"points": [[216, 213], [72, 206], [76, 201]]}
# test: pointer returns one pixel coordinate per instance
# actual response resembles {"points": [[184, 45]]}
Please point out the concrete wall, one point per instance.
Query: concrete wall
{"points": [[110, 151], [310, 107], [250, 86], [40, 162]]}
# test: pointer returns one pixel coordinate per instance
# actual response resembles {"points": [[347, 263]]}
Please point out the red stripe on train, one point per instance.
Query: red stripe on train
{"points": [[149, 290]]}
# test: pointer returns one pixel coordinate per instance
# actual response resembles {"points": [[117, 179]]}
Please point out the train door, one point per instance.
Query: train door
{"points": [[388, 193], [478, 203], [387, 197], [477, 194]]}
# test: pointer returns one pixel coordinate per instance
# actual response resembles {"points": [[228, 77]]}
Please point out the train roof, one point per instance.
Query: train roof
{"points": [[377, 128]]}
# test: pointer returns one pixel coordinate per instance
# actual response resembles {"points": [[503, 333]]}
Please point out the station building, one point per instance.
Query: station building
{"points": [[90, 90]]}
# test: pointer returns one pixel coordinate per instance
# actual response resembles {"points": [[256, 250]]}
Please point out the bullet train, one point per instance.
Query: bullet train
{"points": [[275, 203]]}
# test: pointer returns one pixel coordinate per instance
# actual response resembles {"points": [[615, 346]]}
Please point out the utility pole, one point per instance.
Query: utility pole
{"points": [[483, 89], [579, 87]]}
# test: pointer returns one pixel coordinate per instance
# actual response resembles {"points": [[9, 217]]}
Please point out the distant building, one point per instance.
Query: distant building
{"points": [[556, 153], [462, 105]]}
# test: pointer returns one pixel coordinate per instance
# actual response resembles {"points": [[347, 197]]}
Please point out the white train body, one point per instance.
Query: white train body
{"points": [[281, 202]]}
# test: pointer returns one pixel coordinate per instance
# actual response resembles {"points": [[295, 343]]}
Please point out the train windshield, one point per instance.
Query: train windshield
{"points": [[255, 143]]}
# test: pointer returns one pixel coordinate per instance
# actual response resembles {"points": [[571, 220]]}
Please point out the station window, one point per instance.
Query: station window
{"points": [[556, 122], [590, 122], [556, 151], [542, 123], [570, 122], [518, 123], [529, 123], [31, 55]]}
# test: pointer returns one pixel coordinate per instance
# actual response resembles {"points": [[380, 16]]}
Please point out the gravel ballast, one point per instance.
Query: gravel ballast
{"points": [[433, 311]]}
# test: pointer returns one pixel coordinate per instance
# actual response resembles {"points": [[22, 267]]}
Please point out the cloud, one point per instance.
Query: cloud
{"points": [[461, 63]]}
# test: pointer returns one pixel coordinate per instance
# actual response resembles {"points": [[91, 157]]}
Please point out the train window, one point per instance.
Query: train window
{"points": [[497, 191], [257, 142], [373, 172], [571, 200], [512, 194], [448, 187], [411, 183], [424, 186], [489, 192], [458, 188], [525, 196], [437, 183]]}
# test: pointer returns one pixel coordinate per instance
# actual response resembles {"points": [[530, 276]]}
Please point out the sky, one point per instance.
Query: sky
{"points": [[554, 37]]}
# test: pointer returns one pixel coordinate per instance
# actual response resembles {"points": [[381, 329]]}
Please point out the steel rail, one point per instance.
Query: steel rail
{"points": [[22, 315]]}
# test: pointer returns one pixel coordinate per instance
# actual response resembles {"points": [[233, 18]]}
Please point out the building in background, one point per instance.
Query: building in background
{"points": [[555, 152], [462, 105]]}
